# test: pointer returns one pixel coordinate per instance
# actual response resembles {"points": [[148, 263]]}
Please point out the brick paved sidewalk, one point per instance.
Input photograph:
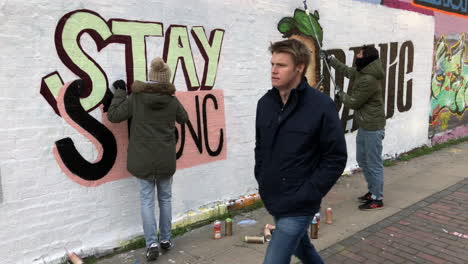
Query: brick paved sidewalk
{"points": [[434, 230]]}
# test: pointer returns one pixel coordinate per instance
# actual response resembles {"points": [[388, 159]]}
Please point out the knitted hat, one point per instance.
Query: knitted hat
{"points": [[370, 54], [159, 71]]}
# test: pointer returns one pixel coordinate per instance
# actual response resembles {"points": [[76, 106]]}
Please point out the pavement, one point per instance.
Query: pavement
{"points": [[425, 220]]}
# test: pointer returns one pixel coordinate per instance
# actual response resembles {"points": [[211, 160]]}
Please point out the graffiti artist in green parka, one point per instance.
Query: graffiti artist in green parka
{"points": [[366, 99], [151, 158]]}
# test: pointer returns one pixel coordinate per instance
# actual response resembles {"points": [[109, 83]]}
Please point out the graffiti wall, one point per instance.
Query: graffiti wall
{"points": [[449, 95], [63, 177], [73, 102], [447, 118]]}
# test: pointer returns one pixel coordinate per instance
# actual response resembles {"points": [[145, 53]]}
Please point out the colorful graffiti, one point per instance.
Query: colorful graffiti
{"points": [[371, 1], [407, 5], [450, 61], [449, 96], [450, 7], [201, 140]]}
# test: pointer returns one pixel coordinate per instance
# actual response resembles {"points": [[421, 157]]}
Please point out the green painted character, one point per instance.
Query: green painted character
{"points": [[310, 33]]}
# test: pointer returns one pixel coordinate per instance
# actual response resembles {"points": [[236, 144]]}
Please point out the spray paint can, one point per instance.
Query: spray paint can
{"points": [[314, 229], [254, 239], [231, 204], [74, 258], [239, 203], [248, 200], [228, 227], [329, 216], [217, 229], [257, 198], [267, 231], [317, 216]]}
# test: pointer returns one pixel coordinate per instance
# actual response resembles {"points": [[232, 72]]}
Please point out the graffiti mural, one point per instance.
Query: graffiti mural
{"points": [[450, 7], [397, 59], [299, 27], [407, 5], [371, 1], [449, 95], [201, 140], [450, 60]]}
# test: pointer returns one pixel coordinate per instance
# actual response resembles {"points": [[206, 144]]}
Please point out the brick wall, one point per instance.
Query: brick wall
{"points": [[44, 208]]}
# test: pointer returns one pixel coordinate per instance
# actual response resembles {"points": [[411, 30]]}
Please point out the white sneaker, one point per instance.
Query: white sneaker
{"points": [[152, 253], [166, 245]]}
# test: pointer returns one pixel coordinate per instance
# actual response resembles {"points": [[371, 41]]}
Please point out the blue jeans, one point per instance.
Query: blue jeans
{"points": [[369, 158], [291, 237], [164, 189]]}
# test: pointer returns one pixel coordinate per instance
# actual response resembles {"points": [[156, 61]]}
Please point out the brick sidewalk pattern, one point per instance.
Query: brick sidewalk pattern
{"points": [[434, 230]]}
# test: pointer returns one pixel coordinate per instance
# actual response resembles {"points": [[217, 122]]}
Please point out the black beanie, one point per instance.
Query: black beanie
{"points": [[370, 54]]}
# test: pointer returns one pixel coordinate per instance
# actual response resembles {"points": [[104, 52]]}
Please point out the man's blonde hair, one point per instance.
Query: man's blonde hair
{"points": [[299, 52]]}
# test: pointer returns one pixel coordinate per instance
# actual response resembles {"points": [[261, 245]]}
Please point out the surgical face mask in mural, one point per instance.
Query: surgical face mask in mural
{"points": [[201, 140]]}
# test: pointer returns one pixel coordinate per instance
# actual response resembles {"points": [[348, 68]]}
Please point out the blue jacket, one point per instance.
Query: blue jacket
{"points": [[300, 150]]}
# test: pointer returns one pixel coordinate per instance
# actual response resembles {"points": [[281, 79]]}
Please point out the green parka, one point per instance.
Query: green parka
{"points": [[366, 97], [153, 110]]}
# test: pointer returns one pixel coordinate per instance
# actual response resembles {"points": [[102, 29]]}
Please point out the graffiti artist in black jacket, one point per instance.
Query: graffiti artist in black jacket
{"points": [[300, 152]]}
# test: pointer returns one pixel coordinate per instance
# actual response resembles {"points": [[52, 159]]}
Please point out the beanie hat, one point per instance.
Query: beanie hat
{"points": [[370, 54], [159, 71]]}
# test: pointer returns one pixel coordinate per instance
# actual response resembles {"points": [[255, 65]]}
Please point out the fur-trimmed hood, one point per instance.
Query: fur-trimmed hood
{"points": [[153, 87], [154, 111], [155, 95]]}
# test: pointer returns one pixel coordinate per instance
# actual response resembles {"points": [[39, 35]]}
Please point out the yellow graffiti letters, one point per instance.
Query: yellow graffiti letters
{"points": [[211, 51], [136, 61]]}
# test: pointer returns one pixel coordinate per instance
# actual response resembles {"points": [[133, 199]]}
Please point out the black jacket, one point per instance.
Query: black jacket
{"points": [[300, 150]]}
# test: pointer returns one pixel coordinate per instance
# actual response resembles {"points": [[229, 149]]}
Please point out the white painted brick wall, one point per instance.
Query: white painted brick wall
{"points": [[349, 24], [43, 211]]}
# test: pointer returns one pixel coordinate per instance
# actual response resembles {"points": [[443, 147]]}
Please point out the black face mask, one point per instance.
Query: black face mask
{"points": [[361, 63]]}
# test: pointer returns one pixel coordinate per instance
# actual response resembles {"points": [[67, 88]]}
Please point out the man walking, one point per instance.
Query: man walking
{"points": [[367, 101], [300, 152], [153, 109]]}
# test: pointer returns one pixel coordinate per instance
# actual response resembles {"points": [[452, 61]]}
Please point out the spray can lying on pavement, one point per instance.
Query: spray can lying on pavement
{"points": [[254, 239]]}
